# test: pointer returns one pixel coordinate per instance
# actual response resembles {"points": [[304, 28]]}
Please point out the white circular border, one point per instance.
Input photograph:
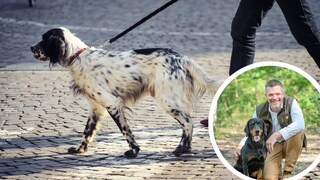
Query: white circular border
{"points": [[213, 108]]}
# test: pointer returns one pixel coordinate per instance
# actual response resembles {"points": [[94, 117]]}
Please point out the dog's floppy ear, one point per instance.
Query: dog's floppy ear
{"points": [[56, 49], [265, 129], [247, 129]]}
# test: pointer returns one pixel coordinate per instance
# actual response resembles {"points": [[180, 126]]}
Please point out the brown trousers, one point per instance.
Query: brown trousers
{"points": [[289, 150]]}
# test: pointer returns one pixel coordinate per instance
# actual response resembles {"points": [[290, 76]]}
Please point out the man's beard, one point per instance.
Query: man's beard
{"points": [[275, 106]]}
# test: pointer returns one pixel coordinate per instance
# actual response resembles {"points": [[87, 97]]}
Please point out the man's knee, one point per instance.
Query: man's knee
{"points": [[307, 38], [241, 34], [295, 143]]}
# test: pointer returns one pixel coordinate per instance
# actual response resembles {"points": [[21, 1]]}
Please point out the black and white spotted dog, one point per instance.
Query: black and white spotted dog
{"points": [[112, 80]]}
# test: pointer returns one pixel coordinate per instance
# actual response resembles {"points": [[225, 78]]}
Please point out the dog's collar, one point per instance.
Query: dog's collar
{"points": [[70, 60]]}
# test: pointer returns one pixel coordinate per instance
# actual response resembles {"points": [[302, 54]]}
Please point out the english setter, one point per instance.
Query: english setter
{"points": [[112, 80]]}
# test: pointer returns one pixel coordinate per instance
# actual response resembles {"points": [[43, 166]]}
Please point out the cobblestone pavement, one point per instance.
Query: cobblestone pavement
{"points": [[40, 118]]}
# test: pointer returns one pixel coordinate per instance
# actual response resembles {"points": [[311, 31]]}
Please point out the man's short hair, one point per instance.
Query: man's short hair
{"points": [[272, 83]]}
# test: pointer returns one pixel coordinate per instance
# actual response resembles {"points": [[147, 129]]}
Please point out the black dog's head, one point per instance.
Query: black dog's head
{"points": [[51, 47], [256, 129]]}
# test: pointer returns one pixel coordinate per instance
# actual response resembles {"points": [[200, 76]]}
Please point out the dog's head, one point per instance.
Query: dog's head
{"points": [[256, 129], [57, 45], [51, 47]]}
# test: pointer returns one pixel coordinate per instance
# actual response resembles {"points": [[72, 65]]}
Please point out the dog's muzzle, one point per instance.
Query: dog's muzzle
{"points": [[257, 129], [38, 53]]}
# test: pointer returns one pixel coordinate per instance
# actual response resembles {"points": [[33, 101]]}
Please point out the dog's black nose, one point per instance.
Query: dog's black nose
{"points": [[32, 48]]}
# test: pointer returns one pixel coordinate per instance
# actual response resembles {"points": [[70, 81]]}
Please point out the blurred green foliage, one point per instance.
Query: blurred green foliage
{"points": [[239, 99]]}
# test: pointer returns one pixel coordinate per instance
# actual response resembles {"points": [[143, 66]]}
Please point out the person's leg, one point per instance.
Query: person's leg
{"points": [[243, 31], [292, 148], [272, 164], [303, 25]]}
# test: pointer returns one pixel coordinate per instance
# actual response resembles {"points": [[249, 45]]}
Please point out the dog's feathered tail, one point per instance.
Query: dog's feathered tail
{"points": [[202, 82]]}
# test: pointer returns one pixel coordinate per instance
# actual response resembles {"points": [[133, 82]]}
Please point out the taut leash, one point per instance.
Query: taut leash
{"points": [[138, 23]]}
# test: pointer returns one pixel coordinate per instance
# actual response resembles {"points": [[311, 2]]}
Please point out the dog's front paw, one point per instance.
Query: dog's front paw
{"points": [[132, 153], [181, 150], [74, 150]]}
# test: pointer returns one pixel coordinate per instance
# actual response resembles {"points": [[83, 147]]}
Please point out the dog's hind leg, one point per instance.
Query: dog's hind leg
{"points": [[187, 128], [117, 114], [173, 97]]}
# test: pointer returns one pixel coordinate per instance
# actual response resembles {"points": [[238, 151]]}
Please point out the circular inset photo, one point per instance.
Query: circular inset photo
{"points": [[264, 122]]}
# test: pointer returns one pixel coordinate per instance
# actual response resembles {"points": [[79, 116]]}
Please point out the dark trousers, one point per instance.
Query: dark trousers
{"points": [[248, 19]]}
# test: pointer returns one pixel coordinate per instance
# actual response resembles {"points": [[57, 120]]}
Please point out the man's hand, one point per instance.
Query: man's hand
{"points": [[272, 140], [237, 153]]}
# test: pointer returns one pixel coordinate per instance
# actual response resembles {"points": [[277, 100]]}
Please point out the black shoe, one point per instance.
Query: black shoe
{"points": [[205, 122]]}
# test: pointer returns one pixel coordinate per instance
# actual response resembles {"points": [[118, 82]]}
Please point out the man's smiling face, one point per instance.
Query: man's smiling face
{"points": [[275, 96]]}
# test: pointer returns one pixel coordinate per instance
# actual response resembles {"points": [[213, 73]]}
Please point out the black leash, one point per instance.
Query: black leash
{"points": [[139, 23]]}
